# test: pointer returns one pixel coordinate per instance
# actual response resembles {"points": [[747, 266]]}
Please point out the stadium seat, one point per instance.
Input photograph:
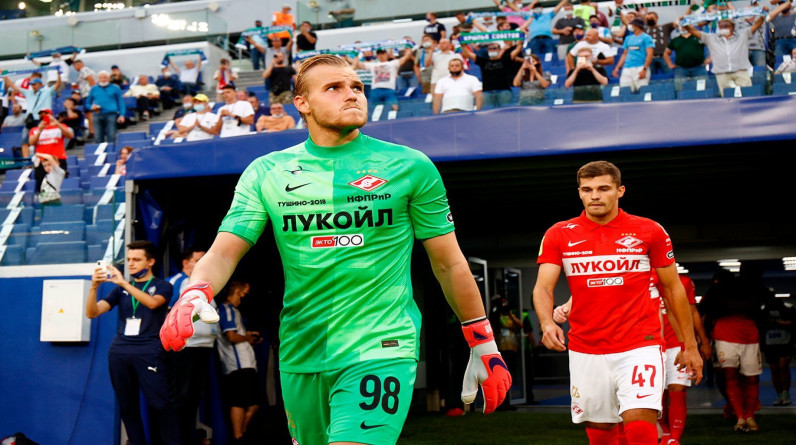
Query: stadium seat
{"points": [[615, 93], [59, 232], [71, 160], [25, 216], [13, 175], [558, 96], [780, 78], [122, 138], [154, 129], [96, 251], [20, 236], [659, 91], [694, 94], [14, 256], [70, 183], [784, 89], [63, 213], [754, 90], [60, 253], [10, 186], [6, 197], [99, 232]]}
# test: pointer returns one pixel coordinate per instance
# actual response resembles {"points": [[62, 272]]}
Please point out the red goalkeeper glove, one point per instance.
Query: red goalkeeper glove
{"points": [[486, 366], [193, 304]]}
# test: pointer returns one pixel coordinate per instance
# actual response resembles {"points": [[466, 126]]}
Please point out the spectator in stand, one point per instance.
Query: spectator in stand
{"points": [[16, 118], [277, 121], [259, 108], [169, 87], [306, 39], [121, 162], [586, 78], [406, 72], [440, 62], [584, 10], [784, 24], [660, 35], [52, 76], [86, 79], [106, 102], [384, 73], [50, 190], [565, 28], [136, 360], [343, 12], [79, 100], [540, 28], [223, 77], [236, 116], [689, 58], [463, 24], [284, 18], [256, 44], [270, 52], [201, 124], [623, 30], [514, 6], [189, 75], [146, 96], [48, 138], [119, 78], [281, 76], [603, 33], [496, 71], [787, 66], [601, 52], [636, 58], [423, 56], [73, 118], [434, 29], [187, 107], [37, 97], [457, 91], [757, 43], [729, 53], [241, 385], [532, 81]]}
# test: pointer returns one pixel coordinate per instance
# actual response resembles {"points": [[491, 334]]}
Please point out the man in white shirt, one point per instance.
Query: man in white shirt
{"points": [[457, 91], [189, 75], [384, 73], [440, 60], [236, 116], [591, 41], [201, 124], [52, 76], [146, 96]]}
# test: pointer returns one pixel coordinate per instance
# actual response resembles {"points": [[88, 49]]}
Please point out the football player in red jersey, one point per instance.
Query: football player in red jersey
{"points": [[615, 345]]}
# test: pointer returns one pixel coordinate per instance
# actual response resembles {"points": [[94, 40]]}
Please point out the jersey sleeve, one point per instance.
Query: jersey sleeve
{"points": [[165, 290], [661, 252], [113, 296], [428, 205], [247, 215], [226, 320], [549, 251]]}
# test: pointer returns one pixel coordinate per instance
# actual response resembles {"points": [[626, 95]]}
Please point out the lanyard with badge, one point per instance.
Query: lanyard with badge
{"points": [[132, 327]]}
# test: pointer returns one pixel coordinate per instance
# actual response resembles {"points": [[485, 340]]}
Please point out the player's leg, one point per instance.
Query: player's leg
{"points": [[729, 360], [677, 381], [750, 370], [663, 420], [593, 396], [306, 398], [369, 401], [639, 377]]}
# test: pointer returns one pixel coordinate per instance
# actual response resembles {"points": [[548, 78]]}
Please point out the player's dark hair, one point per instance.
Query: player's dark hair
{"points": [[232, 287], [150, 251], [600, 168]]}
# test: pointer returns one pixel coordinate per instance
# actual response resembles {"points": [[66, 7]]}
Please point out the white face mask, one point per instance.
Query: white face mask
{"points": [[167, 74], [538, 10], [723, 32], [104, 84], [631, 28], [187, 105], [493, 54], [199, 107], [426, 44], [568, 12]]}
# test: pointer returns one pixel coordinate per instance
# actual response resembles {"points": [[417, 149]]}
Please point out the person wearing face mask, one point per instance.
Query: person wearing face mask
{"points": [[539, 27], [729, 52], [565, 30], [497, 70], [423, 62], [277, 121], [136, 360], [689, 61], [201, 124], [185, 108], [457, 91], [784, 24], [169, 87], [660, 35], [636, 58], [532, 81], [52, 76], [603, 34], [106, 102], [223, 76], [601, 52], [37, 97]]}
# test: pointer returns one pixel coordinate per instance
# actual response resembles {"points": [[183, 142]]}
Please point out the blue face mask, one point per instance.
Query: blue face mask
{"points": [[140, 274], [199, 107]]}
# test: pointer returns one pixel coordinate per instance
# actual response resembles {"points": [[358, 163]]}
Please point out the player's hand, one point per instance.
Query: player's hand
{"points": [[561, 314], [553, 337], [193, 304], [486, 367], [705, 351], [115, 276], [692, 362]]}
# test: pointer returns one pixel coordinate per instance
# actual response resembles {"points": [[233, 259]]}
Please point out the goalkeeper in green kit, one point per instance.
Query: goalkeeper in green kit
{"points": [[345, 210]]}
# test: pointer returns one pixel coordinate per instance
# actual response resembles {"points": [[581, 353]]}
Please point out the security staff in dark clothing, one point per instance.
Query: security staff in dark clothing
{"points": [[136, 358]]}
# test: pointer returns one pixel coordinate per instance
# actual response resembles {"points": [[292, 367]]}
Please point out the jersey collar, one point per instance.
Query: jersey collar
{"points": [[591, 225], [338, 151]]}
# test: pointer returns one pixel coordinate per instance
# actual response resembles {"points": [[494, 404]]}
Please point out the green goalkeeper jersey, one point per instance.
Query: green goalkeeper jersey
{"points": [[344, 219]]}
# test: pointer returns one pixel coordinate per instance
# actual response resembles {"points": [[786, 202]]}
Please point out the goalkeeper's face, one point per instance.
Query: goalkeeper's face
{"points": [[335, 98]]}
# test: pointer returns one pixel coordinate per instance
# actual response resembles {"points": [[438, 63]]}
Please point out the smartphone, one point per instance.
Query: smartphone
{"points": [[582, 61], [101, 264]]}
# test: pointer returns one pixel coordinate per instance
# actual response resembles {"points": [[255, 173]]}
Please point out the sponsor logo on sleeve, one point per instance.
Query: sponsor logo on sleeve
{"points": [[670, 254], [389, 343]]}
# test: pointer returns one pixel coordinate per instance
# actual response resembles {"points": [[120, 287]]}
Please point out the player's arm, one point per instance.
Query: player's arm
{"points": [[486, 367], [543, 300], [677, 302], [699, 328], [220, 261]]}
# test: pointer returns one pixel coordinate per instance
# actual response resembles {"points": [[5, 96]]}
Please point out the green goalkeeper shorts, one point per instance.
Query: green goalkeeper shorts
{"points": [[366, 402]]}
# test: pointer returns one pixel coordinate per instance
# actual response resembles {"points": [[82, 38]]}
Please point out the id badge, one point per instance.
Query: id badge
{"points": [[132, 327]]}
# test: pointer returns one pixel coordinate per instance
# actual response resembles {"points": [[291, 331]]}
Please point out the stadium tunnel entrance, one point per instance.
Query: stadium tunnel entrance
{"points": [[716, 201]]}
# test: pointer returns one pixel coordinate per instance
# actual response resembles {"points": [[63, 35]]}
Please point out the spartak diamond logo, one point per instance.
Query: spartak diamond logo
{"points": [[368, 183], [629, 241]]}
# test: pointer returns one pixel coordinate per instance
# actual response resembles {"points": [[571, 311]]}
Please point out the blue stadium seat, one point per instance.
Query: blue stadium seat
{"points": [[754, 90], [69, 197], [13, 130], [154, 128], [70, 183], [25, 216], [6, 197], [13, 175], [90, 171], [63, 213], [291, 110], [694, 94], [10, 186], [96, 251], [59, 232], [99, 182], [122, 138], [659, 91], [71, 160], [558, 96], [14, 256], [784, 89], [99, 232], [139, 143], [710, 83], [779, 78], [58, 253], [20, 236], [624, 94]]}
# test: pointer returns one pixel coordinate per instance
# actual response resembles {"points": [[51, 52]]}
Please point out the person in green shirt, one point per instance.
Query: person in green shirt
{"points": [[689, 58], [345, 211]]}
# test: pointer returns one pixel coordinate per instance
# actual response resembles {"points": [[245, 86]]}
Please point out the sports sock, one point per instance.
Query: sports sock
{"points": [[601, 437], [663, 421], [734, 393], [640, 432], [750, 389], [677, 413]]}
